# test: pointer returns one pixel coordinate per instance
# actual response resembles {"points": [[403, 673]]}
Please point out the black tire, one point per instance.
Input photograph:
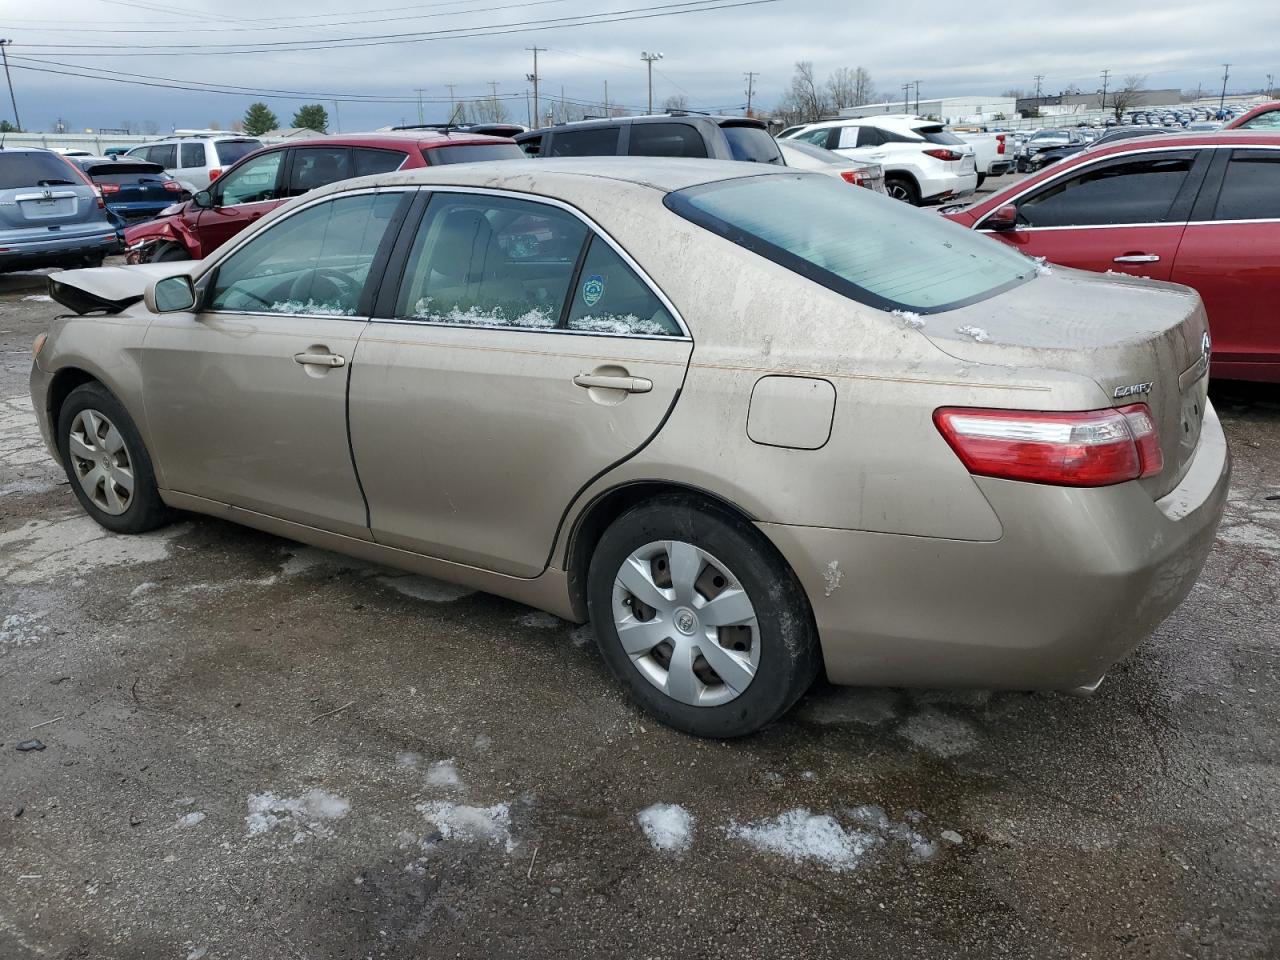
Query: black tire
{"points": [[789, 657], [982, 177], [904, 189], [170, 252], [145, 510], [95, 260]]}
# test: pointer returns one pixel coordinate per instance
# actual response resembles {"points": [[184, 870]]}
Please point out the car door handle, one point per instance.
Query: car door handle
{"points": [[320, 359], [1138, 258], [629, 384]]}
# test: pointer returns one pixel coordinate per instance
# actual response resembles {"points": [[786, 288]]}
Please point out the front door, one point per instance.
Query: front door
{"points": [[1126, 215], [521, 357], [246, 400], [241, 197]]}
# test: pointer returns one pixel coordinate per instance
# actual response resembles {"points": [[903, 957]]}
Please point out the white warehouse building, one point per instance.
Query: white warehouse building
{"points": [[947, 109]]}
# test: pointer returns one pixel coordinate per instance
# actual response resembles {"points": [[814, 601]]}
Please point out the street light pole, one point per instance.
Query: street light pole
{"points": [[4, 52], [649, 58], [917, 83], [534, 78], [1226, 72]]}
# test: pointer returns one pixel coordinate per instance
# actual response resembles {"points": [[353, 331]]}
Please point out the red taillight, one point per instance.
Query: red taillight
{"points": [[173, 186], [214, 174], [941, 154], [1090, 448], [999, 143], [110, 188], [853, 176]]}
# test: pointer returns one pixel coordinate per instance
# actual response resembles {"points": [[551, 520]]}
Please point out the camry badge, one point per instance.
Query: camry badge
{"points": [[1133, 389]]}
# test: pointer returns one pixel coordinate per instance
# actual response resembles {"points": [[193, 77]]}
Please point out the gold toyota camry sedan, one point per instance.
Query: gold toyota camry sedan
{"points": [[751, 423]]}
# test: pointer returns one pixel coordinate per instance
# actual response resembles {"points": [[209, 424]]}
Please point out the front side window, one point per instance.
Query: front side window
{"points": [[591, 142], [1251, 186], [192, 155], [610, 298], [316, 166], [491, 262], [253, 182], [315, 262], [858, 243], [1127, 192], [166, 155], [666, 140]]}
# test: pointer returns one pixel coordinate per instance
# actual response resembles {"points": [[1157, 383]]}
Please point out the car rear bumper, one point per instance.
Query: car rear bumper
{"points": [[30, 254], [1078, 579], [949, 187]]}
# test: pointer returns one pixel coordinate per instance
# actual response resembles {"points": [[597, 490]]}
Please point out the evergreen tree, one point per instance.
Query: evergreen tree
{"points": [[258, 119], [312, 117]]}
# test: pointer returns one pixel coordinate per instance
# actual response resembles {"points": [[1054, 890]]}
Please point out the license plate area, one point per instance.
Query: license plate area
{"points": [[47, 209]]}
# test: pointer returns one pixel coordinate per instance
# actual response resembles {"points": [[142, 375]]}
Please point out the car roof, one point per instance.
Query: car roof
{"points": [[1239, 138], [646, 118], [425, 139], [1256, 111]]}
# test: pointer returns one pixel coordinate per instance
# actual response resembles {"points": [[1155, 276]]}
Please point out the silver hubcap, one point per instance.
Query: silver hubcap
{"points": [[686, 623], [101, 462], [898, 192]]}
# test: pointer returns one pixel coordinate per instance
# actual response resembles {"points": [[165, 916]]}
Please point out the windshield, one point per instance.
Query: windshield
{"points": [[858, 243], [229, 151], [471, 152], [752, 144], [34, 168]]}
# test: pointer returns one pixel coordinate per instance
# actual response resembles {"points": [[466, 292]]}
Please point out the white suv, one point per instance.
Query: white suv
{"points": [[200, 159], [923, 162]]}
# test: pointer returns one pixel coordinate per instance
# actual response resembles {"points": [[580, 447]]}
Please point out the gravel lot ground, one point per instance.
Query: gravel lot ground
{"points": [[256, 749]]}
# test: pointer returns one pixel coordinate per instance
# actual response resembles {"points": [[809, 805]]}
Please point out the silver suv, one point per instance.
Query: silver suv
{"points": [[199, 159]]}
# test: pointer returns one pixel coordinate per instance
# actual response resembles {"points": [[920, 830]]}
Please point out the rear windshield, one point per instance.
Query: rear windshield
{"points": [[939, 135], [858, 243], [752, 144], [23, 169], [817, 153], [121, 167], [229, 151], [472, 152]]}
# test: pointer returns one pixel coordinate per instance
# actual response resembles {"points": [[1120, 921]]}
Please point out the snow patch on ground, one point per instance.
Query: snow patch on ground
{"points": [[668, 826], [28, 466], [977, 333], [539, 620], [425, 588], [409, 759], [43, 549], [191, 819], [939, 733], [21, 630], [38, 298], [444, 774], [1250, 535], [309, 813], [875, 818], [303, 560], [460, 821], [800, 835]]}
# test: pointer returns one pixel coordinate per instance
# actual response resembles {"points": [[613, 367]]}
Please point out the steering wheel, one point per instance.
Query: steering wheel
{"points": [[324, 285]]}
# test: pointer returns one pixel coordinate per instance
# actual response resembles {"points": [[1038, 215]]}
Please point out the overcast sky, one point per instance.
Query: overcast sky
{"points": [[952, 48]]}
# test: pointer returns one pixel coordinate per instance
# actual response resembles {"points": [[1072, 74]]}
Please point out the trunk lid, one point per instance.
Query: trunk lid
{"points": [[1140, 340]]}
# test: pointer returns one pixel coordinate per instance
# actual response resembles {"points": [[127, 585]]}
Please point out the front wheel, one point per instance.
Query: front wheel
{"points": [[170, 252], [902, 189], [106, 462], [701, 619]]}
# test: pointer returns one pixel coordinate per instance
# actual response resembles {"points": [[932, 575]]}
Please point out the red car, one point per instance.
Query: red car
{"points": [[1197, 209], [1265, 116], [263, 180]]}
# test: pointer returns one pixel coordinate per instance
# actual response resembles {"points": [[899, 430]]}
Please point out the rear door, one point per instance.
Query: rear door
{"points": [[1125, 214], [1230, 253], [241, 197], [522, 354]]}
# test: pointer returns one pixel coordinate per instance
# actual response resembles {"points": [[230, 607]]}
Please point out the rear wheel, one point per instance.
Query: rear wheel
{"points": [[981, 179], [900, 188], [701, 619], [106, 462]]}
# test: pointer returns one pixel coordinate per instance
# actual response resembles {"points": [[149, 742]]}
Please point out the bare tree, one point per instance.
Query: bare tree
{"points": [[805, 101], [150, 127], [849, 87], [1127, 96], [675, 103], [487, 110]]}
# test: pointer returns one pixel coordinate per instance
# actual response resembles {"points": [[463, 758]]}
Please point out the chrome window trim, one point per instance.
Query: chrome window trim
{"points": [[234, 245], [1212, 223], [593, 227], [1119, 156]]}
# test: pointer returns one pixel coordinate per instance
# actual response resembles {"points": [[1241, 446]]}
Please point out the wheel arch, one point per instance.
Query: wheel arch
{"points": [[592, 521], [60, 386], [901, 173]]}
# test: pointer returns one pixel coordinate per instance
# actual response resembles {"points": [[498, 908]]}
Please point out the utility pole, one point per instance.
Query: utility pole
{"points": [[534, 78], [906, 97], [420, 91], [1038, 77], [606, 98], [751, 88], [337, 118], [649, 58], [1271, 90], [4, 52], [917, 83], [1226, 72], [451, 107], [1106, 74]]}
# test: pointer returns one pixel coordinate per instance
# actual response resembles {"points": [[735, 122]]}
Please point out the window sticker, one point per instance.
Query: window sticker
{"points": [[593, 290]]}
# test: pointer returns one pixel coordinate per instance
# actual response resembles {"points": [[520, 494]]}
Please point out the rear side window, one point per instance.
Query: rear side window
{"points": [[315, 262], [192, 154], [610, 298], [1251, 186], [939, 135], [860, 244], [592, 142], [370, 161], [229, 151], [752, 145], [473, 153], [21, 169], [666, 140], [532, 146], [1132, 191], [816, 137], [1263, 121], [165, 154], [316, 166]]}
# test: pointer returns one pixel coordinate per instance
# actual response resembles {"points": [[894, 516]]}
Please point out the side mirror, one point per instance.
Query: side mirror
{"points": [[171, 295], [1005, 218], [203, 199]]}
